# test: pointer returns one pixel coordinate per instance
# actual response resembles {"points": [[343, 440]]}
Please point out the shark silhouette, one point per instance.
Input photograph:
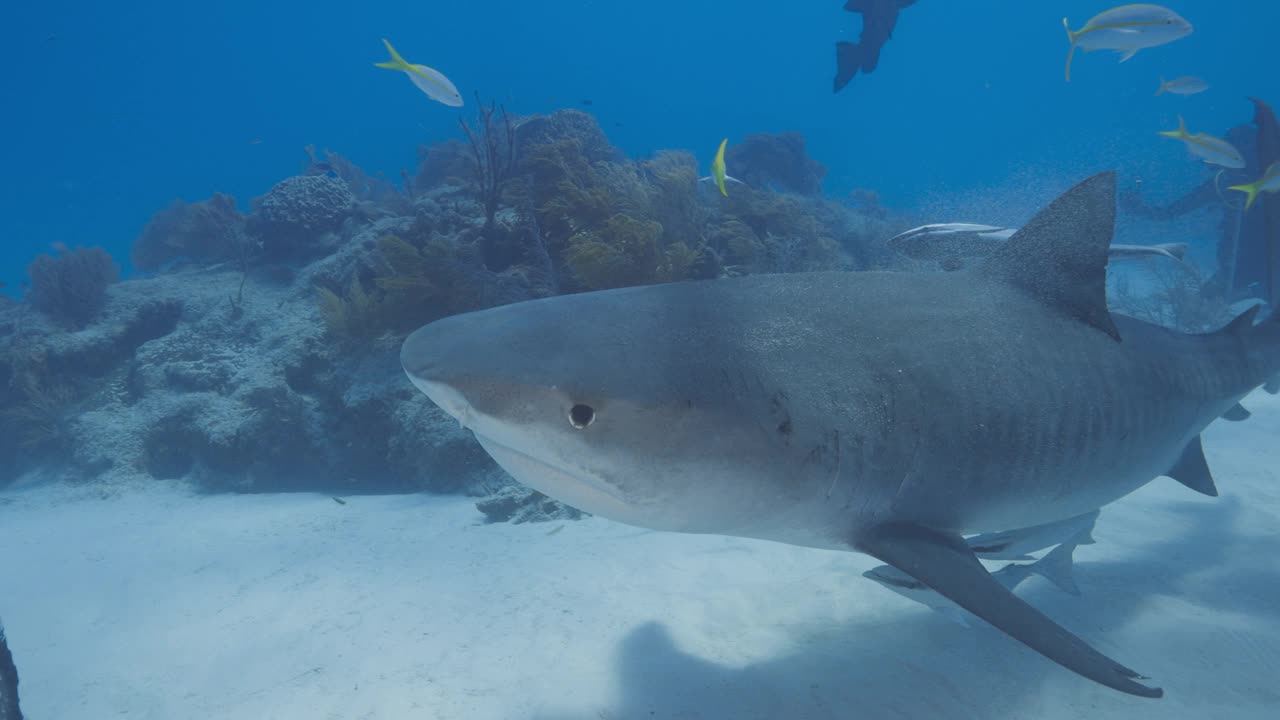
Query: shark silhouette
{"points": [[878, 20]]}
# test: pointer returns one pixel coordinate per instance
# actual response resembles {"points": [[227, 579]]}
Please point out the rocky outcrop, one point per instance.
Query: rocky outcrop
{"points": [[230, 383]]}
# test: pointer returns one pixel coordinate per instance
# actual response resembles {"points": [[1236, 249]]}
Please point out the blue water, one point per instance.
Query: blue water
{"points": [[114, 110]]}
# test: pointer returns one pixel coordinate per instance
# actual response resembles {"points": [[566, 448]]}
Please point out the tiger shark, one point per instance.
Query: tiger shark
{"points": [[878, 412]]}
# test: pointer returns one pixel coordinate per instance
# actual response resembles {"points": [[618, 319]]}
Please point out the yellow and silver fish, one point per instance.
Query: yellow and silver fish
{"points": [[432, 82], [1127, 29], [717, 168], [1212, 150], [1269, 182]]}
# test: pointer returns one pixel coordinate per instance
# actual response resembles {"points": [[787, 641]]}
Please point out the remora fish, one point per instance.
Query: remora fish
{"points": [[879, 412], [945, 240], [1019, 544], [9, 709], [1055, 567]]}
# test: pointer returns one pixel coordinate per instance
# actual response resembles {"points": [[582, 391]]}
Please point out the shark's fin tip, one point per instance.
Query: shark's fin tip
{"points": [[944, 563], [1060, 257], [1192, 470]]}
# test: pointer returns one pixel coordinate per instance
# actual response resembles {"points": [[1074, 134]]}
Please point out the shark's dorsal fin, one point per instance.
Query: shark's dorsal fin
{"points": [[1060, 257], [1192, 470]]}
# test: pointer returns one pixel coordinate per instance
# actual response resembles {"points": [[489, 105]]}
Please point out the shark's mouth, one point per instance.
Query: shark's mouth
{"points": [[581, 492]]}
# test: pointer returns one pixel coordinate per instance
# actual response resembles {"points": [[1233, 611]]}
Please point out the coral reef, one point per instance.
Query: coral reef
{"points": [[206, 232], [446, 163], [568, 124], [777, 162], [262, 353], [71, 286], [291, 220], [374, 193]]}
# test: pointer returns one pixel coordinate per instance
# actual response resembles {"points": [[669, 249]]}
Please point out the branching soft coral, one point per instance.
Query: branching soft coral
{"points": [[71, 286], [205, 232], [623, 252], [354, 315], [673, 197], [37, 419], [562, 189], [493, 151]]}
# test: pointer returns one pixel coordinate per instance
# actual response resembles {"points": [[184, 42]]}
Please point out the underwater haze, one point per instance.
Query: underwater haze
{"points": [[114, 112], [680, 359]]}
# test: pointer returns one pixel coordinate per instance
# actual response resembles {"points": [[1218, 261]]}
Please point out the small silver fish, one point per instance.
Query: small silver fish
{"points": [[1185, 85]]}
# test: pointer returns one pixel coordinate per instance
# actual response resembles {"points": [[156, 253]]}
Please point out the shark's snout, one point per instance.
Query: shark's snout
{"points": [[431, 359]]}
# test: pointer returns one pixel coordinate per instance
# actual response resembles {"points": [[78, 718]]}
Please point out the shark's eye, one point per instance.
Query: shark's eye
{"points": [[581, 416]]}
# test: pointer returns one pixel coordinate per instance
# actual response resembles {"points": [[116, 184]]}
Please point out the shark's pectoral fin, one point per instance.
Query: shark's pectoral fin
{"points": [[1193, 471], [1237, 413], [945, 563]]}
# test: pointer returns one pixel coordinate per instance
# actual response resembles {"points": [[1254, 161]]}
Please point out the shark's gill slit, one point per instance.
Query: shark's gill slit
{"points": [[580, 416]]}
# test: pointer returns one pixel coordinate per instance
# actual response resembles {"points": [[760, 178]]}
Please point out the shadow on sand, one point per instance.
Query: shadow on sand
{"points": [[923, 666]]}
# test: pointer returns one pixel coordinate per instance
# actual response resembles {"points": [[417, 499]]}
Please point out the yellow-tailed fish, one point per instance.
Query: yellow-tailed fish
{"points": [[1212, 150], [1182, 86], [432, 82], [717, 168], [1126, 29], [1269, 182]]}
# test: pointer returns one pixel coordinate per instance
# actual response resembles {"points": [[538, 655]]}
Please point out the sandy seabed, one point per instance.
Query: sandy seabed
{"points": [[159, 603]]}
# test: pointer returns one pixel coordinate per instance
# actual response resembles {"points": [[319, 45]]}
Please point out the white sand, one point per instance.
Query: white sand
{"points": [[161, 604]]}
